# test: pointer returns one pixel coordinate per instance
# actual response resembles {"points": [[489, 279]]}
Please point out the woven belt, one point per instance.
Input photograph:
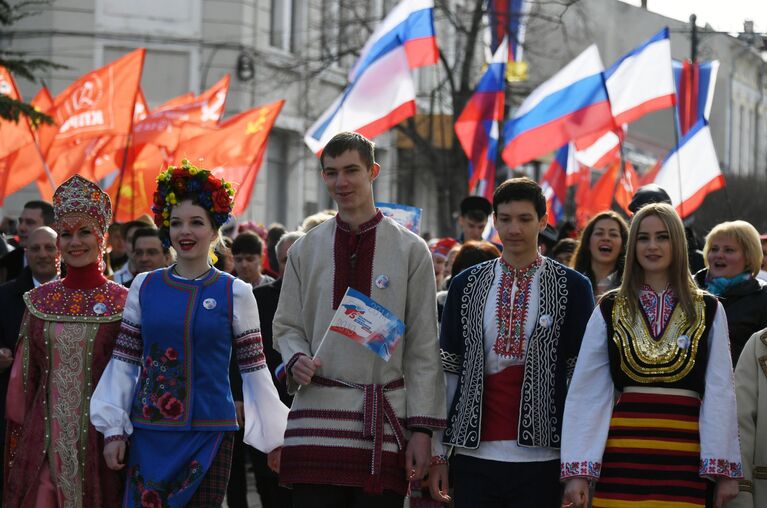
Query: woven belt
{"points": [[376, 410]]}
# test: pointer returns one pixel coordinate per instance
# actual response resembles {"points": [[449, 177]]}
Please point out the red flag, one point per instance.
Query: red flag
{"points": [[100, 103], [582, 195], [162, 126], [107, 156], [26, 164], [13, 135], [138, 182], [649, 176], [234, 150], [627, 186], [688, 95]]}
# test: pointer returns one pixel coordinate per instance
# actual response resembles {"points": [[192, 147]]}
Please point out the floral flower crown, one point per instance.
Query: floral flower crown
{"points": [[176, 184]]}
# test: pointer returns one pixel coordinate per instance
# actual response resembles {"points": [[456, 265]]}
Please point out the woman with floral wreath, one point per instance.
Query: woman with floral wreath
{"points": [[662, 344], [167, 385], [66, 340]]}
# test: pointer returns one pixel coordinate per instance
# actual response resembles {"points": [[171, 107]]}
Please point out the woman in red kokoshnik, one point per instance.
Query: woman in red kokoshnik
{"points": [[166, 389], [66, 340]]}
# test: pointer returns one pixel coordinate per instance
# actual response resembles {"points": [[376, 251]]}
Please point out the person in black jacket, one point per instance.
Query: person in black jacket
{"points": [[35, 214], [41, 267], [733, 256], [271, 494]]}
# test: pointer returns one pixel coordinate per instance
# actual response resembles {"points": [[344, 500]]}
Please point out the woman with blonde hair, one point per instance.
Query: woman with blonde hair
{"points": [[661, 343], [733, 257]]}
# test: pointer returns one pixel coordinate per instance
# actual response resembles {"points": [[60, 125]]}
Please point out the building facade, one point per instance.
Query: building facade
{"points": [[301, 50]]}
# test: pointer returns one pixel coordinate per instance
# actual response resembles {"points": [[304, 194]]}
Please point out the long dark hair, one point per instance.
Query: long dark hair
{"points": [[582, 257]]}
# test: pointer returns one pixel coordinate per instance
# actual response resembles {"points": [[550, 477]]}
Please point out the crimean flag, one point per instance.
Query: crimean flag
{"points": [[234, 150], [641, 81], [381, 90], [479, 123], [691, 170], [100, 103]]}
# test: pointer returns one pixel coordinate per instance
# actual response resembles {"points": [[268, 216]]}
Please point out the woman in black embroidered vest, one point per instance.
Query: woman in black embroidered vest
{"points": [[662, 344]]}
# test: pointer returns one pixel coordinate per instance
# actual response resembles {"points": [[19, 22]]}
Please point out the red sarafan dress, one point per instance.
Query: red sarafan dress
{"points": [[54, 455]]}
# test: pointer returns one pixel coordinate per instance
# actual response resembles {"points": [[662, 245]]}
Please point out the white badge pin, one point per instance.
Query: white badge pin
{"points": [[99, 308], [546, 321], [683, 342], [209, 303], [382, 281]]}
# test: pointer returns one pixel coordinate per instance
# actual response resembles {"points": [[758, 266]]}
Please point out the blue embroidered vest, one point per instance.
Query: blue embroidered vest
{"points": [[187, 335]]}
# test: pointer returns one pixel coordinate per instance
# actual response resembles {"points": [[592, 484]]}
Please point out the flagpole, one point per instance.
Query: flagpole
{"points": [[622, 171], [678, 163], [45, 167], [126, 151]]}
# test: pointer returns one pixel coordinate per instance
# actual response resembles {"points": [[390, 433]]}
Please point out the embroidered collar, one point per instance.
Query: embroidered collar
{"points": [[54, 301], [511, 316], [657, 308], [367, 226]]}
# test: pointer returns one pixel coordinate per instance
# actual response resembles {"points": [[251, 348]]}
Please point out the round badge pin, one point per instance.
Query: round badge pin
{"points": [[99, 308], [382, 281], [209, 303]]}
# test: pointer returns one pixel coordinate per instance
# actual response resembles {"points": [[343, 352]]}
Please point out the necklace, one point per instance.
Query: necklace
{"points": [[175, 270]]}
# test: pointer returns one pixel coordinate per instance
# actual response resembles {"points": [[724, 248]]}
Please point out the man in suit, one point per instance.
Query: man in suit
{"points": [[35, 214], [41, 267]]}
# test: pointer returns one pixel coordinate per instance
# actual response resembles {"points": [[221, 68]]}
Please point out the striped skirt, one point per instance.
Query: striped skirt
{"points": [[652, 455]]}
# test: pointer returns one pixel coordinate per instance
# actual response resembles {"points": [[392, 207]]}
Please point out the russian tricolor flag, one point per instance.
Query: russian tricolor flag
{"points": [[554, 183], [381, 92], [478, 126], [570, 105], [639, 82]]}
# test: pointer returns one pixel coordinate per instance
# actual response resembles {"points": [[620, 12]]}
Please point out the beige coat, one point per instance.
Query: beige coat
{"points": [[751, 391]]}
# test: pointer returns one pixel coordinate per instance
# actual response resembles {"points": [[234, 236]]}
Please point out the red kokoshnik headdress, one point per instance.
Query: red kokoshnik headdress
{"points": [[83, 199]]}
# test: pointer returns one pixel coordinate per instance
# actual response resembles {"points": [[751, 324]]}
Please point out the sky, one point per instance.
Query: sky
{"points": [[727, 16]]}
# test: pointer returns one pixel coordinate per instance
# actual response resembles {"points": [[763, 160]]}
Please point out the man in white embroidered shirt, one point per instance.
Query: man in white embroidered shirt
{"points": [[510, 335], [359, 427]]}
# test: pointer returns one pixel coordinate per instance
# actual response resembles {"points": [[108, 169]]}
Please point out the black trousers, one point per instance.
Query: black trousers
{"points": [[334, 496], [479, 483], [269, 491]]}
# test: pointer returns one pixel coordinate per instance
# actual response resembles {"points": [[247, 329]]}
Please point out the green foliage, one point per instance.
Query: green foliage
{"points": [[19, 65]]}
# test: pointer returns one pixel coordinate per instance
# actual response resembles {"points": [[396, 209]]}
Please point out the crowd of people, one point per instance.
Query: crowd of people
{"points": [[154, 363]]}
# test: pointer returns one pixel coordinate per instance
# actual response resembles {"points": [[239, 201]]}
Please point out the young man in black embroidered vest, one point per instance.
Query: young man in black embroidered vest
{"points": [[510, 335]]}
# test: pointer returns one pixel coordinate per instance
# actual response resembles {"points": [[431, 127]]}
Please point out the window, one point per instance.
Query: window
{"points": [[277, 168], [285, 24]]}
